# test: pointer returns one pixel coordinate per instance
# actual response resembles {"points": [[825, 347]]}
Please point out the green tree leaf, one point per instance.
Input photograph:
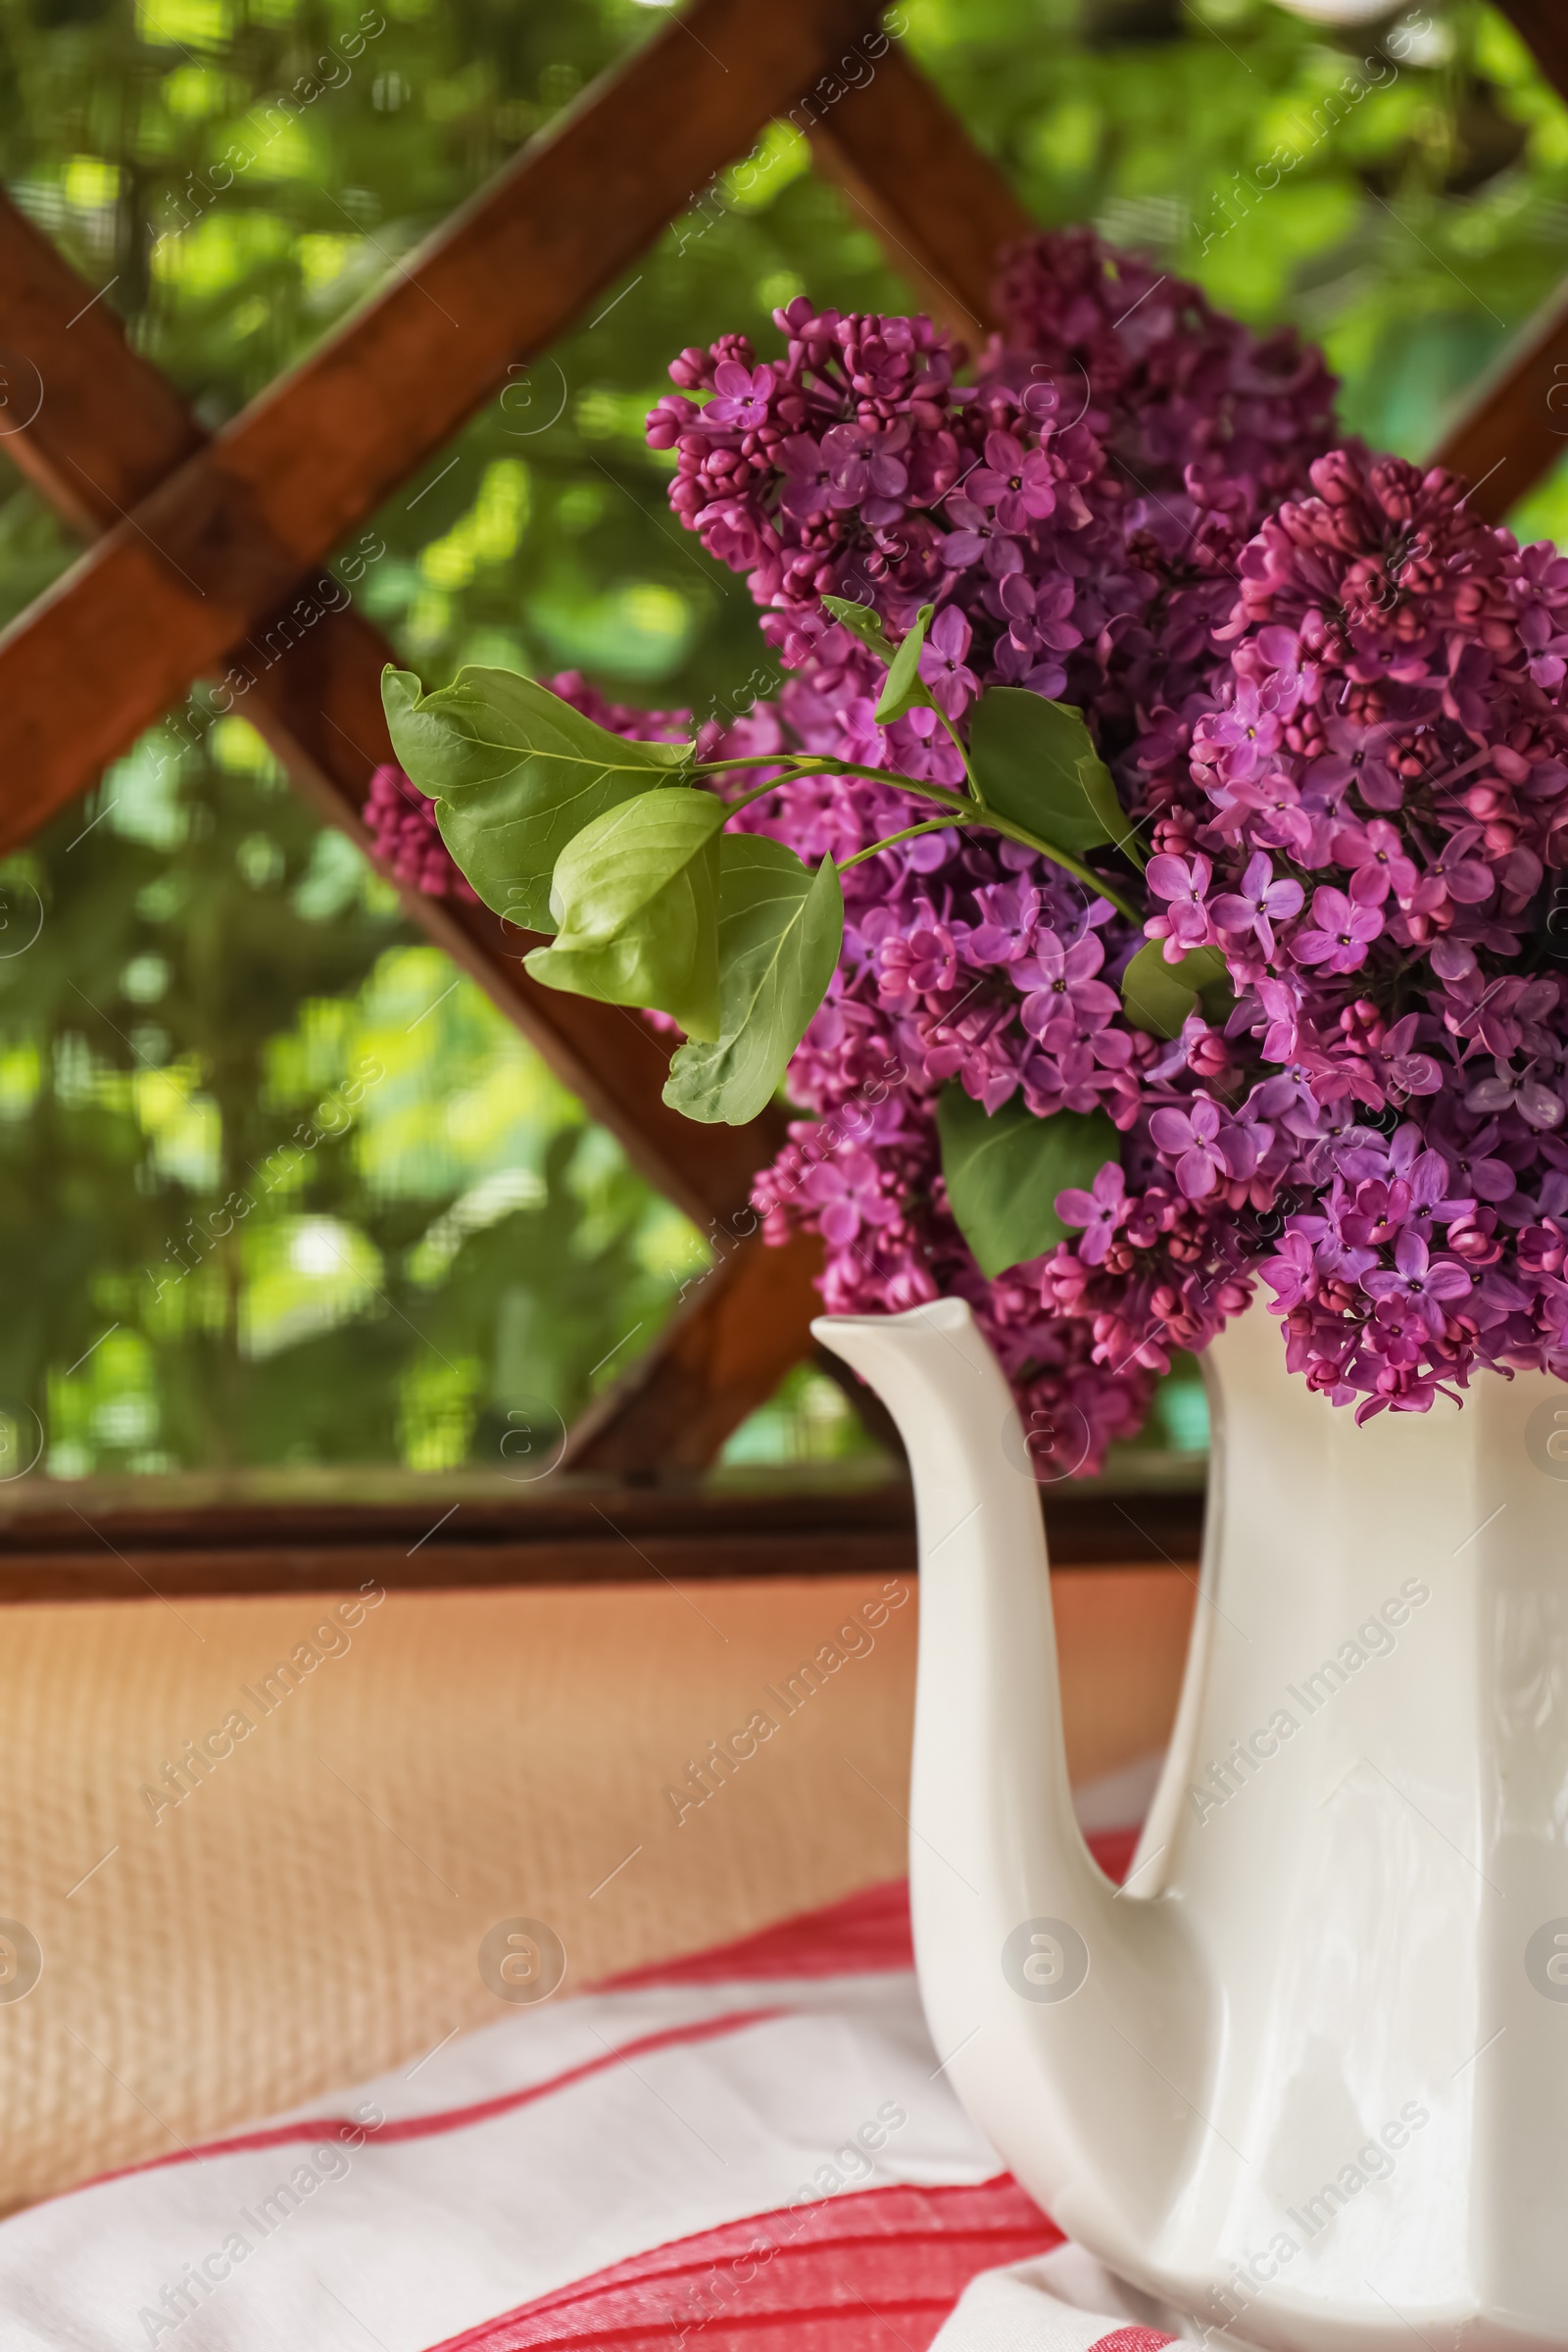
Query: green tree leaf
{"points": [[781, 928], [1035, 761], [515, 773], [636, 897], [1159, 997], [1004, 1172], [861, 622], [906, 689]]}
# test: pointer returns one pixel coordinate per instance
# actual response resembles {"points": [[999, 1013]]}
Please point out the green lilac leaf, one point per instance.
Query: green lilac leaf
{"points": [[514, 773], [1004, 1172], [1035, 763], [861, 622], [1161, 997], [636, 898], [781, 928], [906, 689]]}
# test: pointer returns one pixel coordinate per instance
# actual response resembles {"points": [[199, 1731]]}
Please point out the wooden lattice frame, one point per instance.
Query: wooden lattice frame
{"points": [[201, 542]]}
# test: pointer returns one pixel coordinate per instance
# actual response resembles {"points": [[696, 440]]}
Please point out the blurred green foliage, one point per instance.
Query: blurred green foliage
{"points": [[195, 979], [276, 1186]]}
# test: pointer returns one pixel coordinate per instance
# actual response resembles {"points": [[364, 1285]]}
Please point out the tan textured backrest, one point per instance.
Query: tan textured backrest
{"points": [[311, 1909]]}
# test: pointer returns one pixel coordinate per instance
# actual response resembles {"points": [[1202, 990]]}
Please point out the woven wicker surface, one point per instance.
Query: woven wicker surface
{"points": [[310, 1911]]}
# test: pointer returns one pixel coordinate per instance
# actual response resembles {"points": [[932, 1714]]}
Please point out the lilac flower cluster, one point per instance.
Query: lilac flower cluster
{"points": [[1331, 700], [1375, 809], [406, 840], [856, 466], [1206, 428], [1353, 776], [1182, 397], [985, 967]]}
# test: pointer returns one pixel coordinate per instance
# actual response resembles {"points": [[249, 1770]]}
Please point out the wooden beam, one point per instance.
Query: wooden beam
{"points": [[746, 1325], [937, 204], [209, 554], [574, 1533], [115, 431], [94, 426], [1513, 426], [1543, 27], [116, 1542]]}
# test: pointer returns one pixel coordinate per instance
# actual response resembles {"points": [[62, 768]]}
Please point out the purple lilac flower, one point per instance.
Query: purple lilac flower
{"points": [[1099, 1210], [1182, 886], [1417, 1285], [942, 661], [1261, 902], [1339, 933]]}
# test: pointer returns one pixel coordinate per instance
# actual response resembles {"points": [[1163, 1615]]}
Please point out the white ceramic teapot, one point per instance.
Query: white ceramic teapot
{"points": [[1304, 2078]]}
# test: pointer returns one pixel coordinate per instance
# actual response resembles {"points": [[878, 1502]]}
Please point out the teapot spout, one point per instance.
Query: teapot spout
{"points": [[1070, 2016]]}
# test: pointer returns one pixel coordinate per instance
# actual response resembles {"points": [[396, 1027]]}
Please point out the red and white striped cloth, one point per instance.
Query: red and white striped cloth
{"points": [[754, 2149]]}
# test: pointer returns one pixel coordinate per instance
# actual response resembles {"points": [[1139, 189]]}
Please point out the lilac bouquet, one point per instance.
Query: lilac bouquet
{"points": [[1145, 874]]}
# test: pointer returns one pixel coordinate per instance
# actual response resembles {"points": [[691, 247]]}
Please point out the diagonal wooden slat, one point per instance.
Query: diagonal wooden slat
{"points": [[115, 427], [936, 202], [1513, 426], [745, 1326], [94, 427], [218, 544], [1543, 27]]}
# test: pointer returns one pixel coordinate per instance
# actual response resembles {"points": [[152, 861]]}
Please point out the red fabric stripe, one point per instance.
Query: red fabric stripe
{"points": [[1113, 1849], [451, 2119], [1132, 2339], [692, 2258], [855, 2272], [865, 1932]]}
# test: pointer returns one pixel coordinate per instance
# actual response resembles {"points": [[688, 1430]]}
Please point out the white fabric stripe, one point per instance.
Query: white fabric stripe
{"points": [[531, 2045], [405, 2244]]}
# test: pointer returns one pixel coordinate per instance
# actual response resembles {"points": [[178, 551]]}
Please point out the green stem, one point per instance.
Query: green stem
{"points": [[958, 745], [933, 824], [965, 812], [723, 768], [746, 798], [968, 813]]}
